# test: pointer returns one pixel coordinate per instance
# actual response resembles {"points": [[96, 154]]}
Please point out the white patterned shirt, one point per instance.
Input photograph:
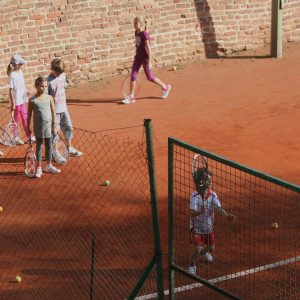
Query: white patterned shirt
{"points": [[203, 223]]}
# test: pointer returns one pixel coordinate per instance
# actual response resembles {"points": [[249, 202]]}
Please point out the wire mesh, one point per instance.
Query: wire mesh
{"points": [[255, 257], [70, 236]]}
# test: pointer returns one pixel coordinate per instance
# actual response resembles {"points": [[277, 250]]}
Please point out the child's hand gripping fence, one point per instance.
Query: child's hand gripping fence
{"points": [[69, 235], [255, 257]]}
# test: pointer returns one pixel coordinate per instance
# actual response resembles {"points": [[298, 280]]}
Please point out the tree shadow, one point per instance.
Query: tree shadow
{"points": [[211, 46]]}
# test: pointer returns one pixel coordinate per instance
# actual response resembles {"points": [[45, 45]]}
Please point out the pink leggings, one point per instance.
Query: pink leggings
{"points": [[20, 112], [136, 67]]}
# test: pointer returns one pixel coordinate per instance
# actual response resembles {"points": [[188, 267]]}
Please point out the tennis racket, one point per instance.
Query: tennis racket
{"points": [[9, 136], [60, 151], [126, 87], [30, 162], [5, 138], [199, 167]]}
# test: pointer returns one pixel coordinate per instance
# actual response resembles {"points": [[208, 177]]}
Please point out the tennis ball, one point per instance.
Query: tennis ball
{"points": [[275, 225], [1, 209], [174, 68], [106, 182], [18, 278]]}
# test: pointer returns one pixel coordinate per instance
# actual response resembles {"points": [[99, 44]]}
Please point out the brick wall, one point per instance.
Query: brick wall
{"points": [[95, 37]]}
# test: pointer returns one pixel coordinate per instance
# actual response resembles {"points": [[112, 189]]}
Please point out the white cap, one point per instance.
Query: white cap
{"points": [[17, 59]]}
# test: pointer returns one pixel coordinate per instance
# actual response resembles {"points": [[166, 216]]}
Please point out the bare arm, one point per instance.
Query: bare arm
{"points": [[29, 114], [147, 42], [226, 214], [53, 115], [194, 213], [12, 103]]}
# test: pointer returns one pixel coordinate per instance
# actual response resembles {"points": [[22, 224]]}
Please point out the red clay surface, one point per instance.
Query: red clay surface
{"points": [[244, 109], [247, 110]]}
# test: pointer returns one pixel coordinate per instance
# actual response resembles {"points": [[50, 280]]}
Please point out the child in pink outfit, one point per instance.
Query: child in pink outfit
{"points": [[143, 58], [18, 94]]}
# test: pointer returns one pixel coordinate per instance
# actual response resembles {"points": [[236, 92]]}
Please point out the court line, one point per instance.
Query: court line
{"points": [[225, 277]]}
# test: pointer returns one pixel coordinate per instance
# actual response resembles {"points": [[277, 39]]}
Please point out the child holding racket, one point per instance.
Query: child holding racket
{"points": [[203, 203], [57, 83], [143, 57], [42, 106], [18, 94]]}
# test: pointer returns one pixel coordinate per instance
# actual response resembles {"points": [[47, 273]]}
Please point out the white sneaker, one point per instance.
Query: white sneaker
{"points": [[128, 100], [58, 158], [74, 152], [39, 172], [51, 169], [166, 92], [208, 257], [192, 269], [18, 141]]}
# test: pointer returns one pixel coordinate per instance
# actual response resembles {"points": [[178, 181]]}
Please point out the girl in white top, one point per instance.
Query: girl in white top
{"points": [[18, 94]]}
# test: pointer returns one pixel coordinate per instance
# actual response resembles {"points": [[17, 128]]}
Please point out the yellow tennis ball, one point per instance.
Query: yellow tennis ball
{"points": [[106, 182], [18, 278], [275, 225], [1, 209], [174, 68]]}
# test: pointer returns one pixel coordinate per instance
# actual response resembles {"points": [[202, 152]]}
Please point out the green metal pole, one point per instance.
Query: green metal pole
{"points": [[154, 208], [276, 28], [235, 165], [143, 278], [171, 218], [92, 268], [206, 283]]}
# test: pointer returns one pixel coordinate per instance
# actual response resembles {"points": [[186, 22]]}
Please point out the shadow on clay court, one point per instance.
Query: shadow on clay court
{"points": [[81, 102], [9, 174], [244, 57], [12, 160]]}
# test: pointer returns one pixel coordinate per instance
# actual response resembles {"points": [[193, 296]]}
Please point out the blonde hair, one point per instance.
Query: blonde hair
{"points": [[10, 68], [141, 20]]}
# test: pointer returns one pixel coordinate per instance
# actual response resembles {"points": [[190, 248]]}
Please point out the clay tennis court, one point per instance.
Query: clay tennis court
{"points": [[245, 108]]}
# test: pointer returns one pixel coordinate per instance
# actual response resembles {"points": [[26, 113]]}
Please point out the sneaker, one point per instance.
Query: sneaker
{"points": [[18, 141], [74, 152], [208, 257], [166, 92], [192, 269], [128, 100], [51, 169], [58, 158], [39, 172]]}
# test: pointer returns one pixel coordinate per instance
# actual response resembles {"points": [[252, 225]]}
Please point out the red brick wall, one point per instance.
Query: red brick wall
{"points": [[95, 37]]}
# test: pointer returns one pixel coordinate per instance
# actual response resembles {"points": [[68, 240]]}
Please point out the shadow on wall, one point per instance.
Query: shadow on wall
{"points": [[206, 23]]}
